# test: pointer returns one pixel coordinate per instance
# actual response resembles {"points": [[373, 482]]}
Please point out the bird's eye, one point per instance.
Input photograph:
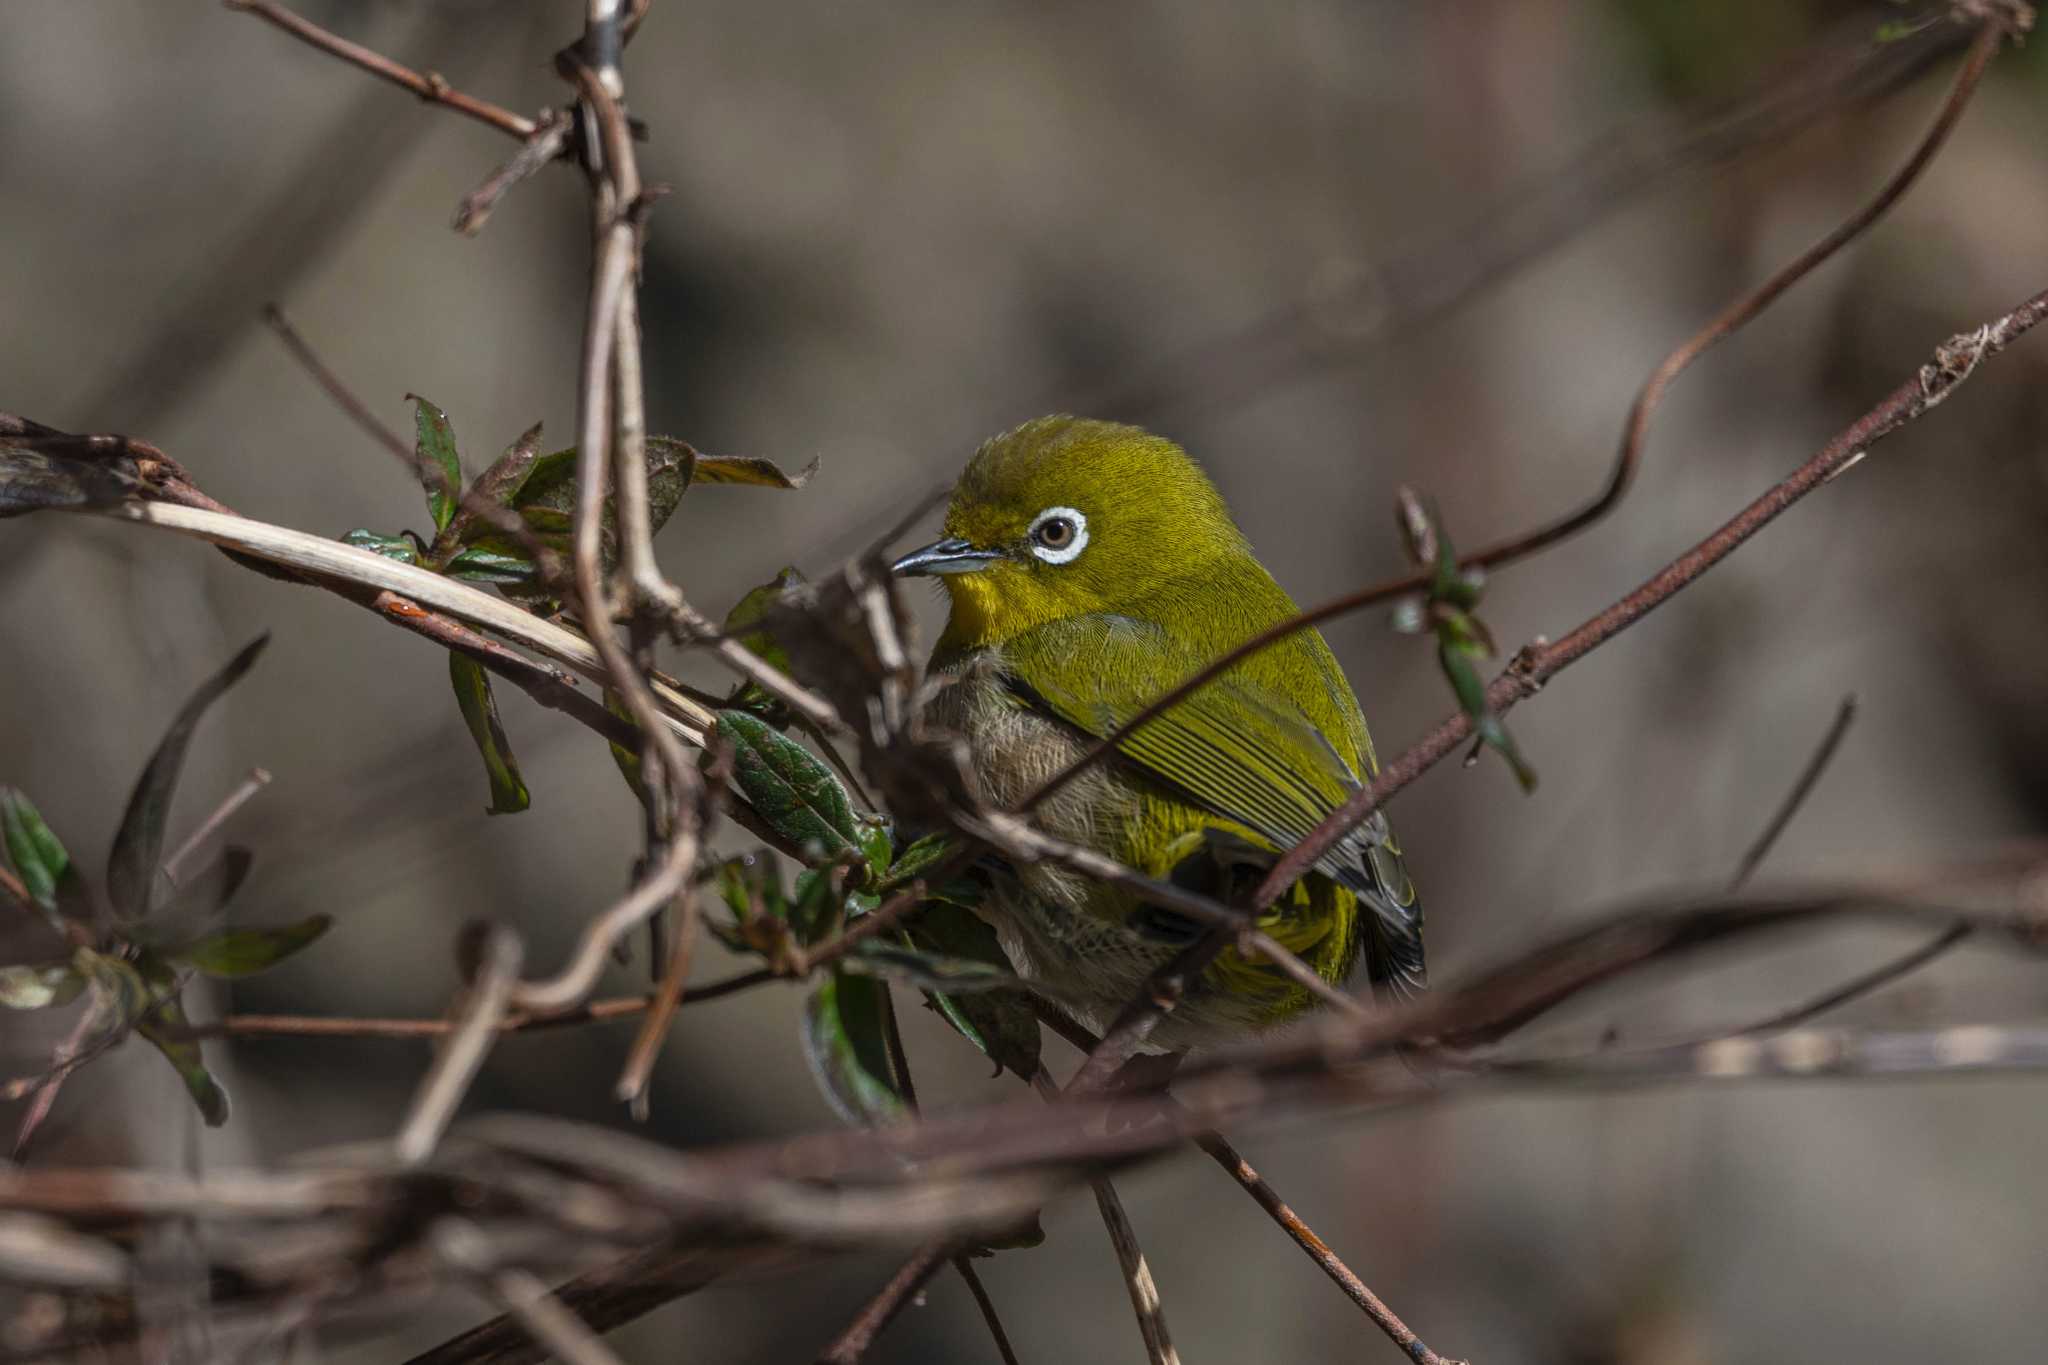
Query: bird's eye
{"points": [[1058, 534]]}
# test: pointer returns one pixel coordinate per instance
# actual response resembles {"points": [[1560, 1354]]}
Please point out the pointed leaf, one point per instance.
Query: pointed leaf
{"points": [[877, 846], [748, 469], [244, 952], [1001, 1022], [792, 790], [440, 468], [846, 1039], [132, 866], [916, 860], [34, 986], [38, 857], [930, 971], [480, 713], [164, 1026], [547, 500], [742, 624], [485, 563], [496, 486]]}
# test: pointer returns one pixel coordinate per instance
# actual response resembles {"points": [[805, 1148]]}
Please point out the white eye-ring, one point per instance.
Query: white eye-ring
{"points": [[1058, 534]]}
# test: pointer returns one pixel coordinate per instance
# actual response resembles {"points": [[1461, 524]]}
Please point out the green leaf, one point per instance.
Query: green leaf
{"points": [[793, 791], [748, 469], [488, 564], [846, 1038], [480, 713], [547, 499], [811, 910], [929, 971], [741, 623], [626, 760], [244, 952], [440, 468], [34, 986], [1001, 1022], [919, 858], [132, 866], [496, 486], [163, 1026], [38, 857], [1456, 658], [404, 549], [877, 846]]}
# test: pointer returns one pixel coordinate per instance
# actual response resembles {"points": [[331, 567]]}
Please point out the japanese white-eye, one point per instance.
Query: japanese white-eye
{"points": [[1090, 568]]}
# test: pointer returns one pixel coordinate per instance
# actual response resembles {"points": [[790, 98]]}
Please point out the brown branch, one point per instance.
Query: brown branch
{"points": [[1636, 428], [429, 86], [1445, 266], [1137, 1273], [595, 1012], [541, 147], [462, 1052], [964, 1265], [1383, 1317], [472, 503], [1802, 788], [253, 781], [1953, 362], [1859, 985], [854, 1340]]}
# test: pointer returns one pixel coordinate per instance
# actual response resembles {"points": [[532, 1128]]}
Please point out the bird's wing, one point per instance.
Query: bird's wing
{"points": [[1232, 748]]}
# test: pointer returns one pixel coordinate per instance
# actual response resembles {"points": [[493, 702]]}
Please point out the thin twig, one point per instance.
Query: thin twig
{"points": [[255, 780], [1442, 267], [342, 1026], [853, 1342], [62, 1063], [522, 1295], [542, 146], [1954, 361], [1809, 777], [1857, 986], [964, 1264], [448, 1080], [429, 85], [470, 502], [1634, 431], [1137, 1274], [1383, 1317], [1123, 1238], [330, 559], [632, 1087]]}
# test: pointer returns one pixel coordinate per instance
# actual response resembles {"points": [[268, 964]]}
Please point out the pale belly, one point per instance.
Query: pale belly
{"points": [[1060, 930]]}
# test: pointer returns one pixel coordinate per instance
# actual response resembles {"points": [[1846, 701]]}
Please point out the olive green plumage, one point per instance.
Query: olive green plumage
{"points": [[1090, 568]]}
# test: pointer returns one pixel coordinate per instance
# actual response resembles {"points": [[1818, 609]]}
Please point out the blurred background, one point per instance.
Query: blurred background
{"points": [[897, 229]]}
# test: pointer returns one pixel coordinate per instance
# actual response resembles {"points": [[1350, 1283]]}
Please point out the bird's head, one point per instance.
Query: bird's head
{"points": [[1066, 517]]}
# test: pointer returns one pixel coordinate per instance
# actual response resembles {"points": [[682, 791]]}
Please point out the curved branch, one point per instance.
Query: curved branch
{"points": [[1992, 31]]}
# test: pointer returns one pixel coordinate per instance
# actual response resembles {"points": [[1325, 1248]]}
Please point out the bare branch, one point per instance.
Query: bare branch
{"points": [[462, 1054], [429, 85], [1383, 1317], [1802, 787], [1992, 30], [1954, 361]]}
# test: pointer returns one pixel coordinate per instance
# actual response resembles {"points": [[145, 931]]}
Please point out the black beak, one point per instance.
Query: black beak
{"points": [[951, 555]]}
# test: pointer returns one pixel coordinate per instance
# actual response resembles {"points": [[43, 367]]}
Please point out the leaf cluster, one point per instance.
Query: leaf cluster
{"points": [[137, 937]]}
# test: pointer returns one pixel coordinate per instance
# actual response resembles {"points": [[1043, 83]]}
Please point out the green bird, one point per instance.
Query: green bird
{"points": [[1091, 567]]}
